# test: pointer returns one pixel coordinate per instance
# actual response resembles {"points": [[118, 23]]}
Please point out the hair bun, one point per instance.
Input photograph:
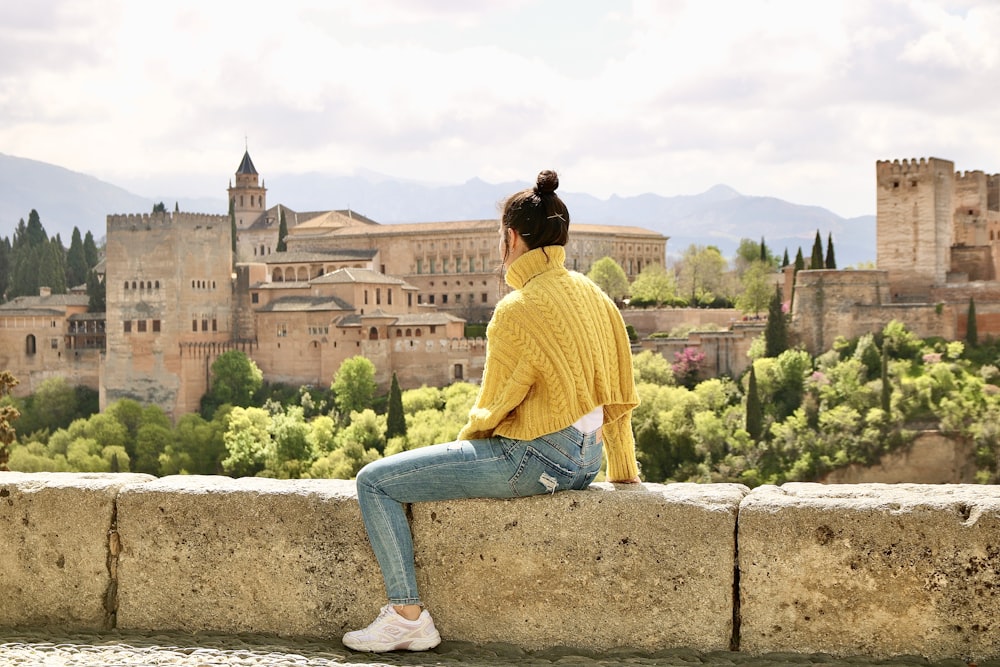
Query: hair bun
{"points": [[547, 182]]}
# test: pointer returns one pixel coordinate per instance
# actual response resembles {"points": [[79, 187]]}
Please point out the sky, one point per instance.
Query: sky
{"points": [[780, 98]]}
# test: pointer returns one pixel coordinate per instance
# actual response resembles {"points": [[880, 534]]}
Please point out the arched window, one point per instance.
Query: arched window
{"points": [[418, 333], [126, 284], [409, 332], [29, 345], [399, 333], [373, 334]]}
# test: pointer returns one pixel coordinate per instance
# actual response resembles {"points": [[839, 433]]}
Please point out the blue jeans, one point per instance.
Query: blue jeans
{"points": [[497, 467]]}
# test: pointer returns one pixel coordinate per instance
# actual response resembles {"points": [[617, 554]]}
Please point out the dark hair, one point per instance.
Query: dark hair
{"points": [[537, 214]]}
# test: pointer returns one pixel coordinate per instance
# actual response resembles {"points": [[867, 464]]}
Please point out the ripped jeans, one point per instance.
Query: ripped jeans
{"points": [[497, 467]]}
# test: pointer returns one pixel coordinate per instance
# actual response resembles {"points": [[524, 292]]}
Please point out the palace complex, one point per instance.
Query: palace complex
{"points": [[178, 295], [344, 285]]}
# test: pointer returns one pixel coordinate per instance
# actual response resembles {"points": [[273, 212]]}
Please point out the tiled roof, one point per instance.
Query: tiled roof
{"points": [[299, 257], [45, 302], [352, 275], [290, 304], [246, 165], [405, 319]]}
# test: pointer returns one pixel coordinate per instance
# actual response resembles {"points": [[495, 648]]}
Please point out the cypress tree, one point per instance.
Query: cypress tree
{"points": [[97, 302], [76, 261], [755, 412], [972, 328], [763, 250], [886, 387], [395, 423], [282, 233], [784, 260], [816, 261], [232, 223], [776, 331], [800, 262], [831, 260], [90, 251]]}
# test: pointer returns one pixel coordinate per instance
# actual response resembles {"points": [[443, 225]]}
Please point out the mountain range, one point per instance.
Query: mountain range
{"points": [[720, 216]]}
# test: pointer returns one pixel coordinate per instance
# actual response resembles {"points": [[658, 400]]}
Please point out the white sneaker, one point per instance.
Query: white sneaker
{"points": [[392, 632]]}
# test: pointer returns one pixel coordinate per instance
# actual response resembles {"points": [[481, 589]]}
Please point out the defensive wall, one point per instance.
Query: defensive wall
{"points": [[872, 569]]}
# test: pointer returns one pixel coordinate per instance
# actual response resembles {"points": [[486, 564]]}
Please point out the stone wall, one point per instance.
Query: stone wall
{"points": [[877, 570]]}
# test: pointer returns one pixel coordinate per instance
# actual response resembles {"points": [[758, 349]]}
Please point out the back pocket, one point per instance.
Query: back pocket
{"points": [[538, 474]]}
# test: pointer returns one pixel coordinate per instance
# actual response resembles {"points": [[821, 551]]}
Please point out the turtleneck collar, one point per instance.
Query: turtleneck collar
{"points": [[534, 262]]}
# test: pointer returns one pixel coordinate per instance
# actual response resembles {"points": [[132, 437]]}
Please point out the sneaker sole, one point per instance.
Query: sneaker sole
{"points": [[414, 645]]}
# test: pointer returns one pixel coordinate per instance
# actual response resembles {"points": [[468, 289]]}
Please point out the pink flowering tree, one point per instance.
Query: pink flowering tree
{"points": [[687, 366]]}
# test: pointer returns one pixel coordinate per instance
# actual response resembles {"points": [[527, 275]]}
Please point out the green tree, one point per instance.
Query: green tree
{"points": [[198, 446], [971, 328], [232, 224], [395, 418], [8, 415], [6, 267], [159, 207], [90, 251], [784, 260], [652, 368], [831, 260], [293, 451], [755, 413], [750, 251], [701, 273], [248, 442], [354, 385], [610, 277], [654, 285], [282, 233], [816, 261], [76, 261], [235, 380], [96, 294], [757, 281], [776, 331]]}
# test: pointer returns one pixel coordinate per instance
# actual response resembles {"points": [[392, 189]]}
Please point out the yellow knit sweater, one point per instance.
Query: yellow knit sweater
{"points": [[556, 349]]}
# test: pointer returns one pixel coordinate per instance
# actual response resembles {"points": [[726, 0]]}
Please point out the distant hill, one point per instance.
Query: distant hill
{"points": [[720, 216]]}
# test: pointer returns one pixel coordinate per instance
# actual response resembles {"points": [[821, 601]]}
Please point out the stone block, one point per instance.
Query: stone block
{"points": [[202, 553], [645, 567], [873, 569], [54, 549]]}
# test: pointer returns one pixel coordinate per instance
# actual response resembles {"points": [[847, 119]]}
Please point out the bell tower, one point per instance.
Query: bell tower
{"points": [[248, 198]]}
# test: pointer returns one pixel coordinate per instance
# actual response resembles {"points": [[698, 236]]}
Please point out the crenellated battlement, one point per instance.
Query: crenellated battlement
{"points": [[136, 221], [890, 172]]}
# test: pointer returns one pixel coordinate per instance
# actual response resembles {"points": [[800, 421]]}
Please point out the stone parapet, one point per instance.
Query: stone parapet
{"points": [[877, 570], [872, 569]]}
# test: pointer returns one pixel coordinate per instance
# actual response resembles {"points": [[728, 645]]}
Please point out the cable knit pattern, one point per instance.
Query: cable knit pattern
{"points": [[556, 349]]}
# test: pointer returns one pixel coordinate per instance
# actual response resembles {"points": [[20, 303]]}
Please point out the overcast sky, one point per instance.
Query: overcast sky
{"points": [[787, 98]]}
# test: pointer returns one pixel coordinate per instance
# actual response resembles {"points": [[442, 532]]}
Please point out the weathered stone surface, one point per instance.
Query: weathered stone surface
{"points": [[647, 567], [54, 548], [875, 569], [245, 555]]}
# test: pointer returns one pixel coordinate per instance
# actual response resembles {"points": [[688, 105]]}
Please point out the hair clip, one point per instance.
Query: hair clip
{"points": [[556, 215]]}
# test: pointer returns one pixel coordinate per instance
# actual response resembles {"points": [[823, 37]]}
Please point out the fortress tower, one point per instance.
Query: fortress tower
{"points": [[915, 215], [169, 306]]}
